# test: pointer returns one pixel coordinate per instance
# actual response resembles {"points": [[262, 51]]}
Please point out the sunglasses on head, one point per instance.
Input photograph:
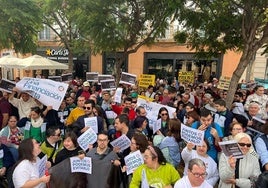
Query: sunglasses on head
{"points": [[244, 144], [88, 108]]}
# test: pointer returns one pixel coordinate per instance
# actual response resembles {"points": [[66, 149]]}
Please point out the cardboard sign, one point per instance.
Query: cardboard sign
{"points": [[7, 85], [122, 142], [92, 76], [224, 82], [81, 165], [92, 122], [118, 95], [88, 137], [129, 79], [104, 77], [107, 85], [186, 77], [42, 166], [133, 161], [231, 147], [146, 79], [194, 136], [48, 92]]}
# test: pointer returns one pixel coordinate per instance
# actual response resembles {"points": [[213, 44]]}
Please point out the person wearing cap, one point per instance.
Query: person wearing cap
{"points": [[84, 91], [259, 97]]}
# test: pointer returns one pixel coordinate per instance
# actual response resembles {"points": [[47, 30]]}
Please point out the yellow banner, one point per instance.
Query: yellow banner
{"points": [[146, 79], [186, 77]]}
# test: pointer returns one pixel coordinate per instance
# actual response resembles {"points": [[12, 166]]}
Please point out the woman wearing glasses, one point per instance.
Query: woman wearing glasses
{"points": [[155, 172], [201, 153], [239, 172]]}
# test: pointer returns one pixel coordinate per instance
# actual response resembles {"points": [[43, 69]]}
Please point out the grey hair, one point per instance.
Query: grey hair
{"points": [[197, 162]]}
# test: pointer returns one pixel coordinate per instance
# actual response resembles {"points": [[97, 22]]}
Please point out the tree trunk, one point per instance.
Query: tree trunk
{"points": [[247, 55], [118, 65], [70, 61]]}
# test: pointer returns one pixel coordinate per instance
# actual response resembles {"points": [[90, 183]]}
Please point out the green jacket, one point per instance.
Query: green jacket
{"points": [[39, 134]]}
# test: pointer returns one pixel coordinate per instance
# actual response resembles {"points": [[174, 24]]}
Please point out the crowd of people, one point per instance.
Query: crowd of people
{"points": [[31, 130]]}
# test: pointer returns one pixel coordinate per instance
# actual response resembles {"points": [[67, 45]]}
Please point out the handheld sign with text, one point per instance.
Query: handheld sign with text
{"points": [[144, 181], [42, 165], [81, 165], [88, 137], [107, 85], [133, 161], [231, 147], [48, 92], [122, 142], [104, 77], [92, 122], [146, 79], [7, 85], [92, 76], [194, 136], [118, 95], [157, 126], [129, 79]]}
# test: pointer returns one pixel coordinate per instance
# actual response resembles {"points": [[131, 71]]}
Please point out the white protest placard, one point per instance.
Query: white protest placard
{"points": [[92, 76], [133, 161], [47, 91], [110, 114], [192, 135], [1, 153], [7, 85], [92, 122], [152, 110], [42, 166], [118, 95], [88, 137], [127, 78], [122, 142], [81, 165], [157, 125], [107, 85], [144, 181]]}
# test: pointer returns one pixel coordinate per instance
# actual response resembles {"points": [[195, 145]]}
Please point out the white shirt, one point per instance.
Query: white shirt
{"points": [[185, 183], [24, 172]]}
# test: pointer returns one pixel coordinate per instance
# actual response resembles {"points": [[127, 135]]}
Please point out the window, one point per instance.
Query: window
{"points": [[45, 33]]}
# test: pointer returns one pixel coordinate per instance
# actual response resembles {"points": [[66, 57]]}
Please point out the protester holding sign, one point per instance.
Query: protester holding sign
{"points": [[212, 131], [239, 172], [158, 173], [83, 122], [26, 173], [103, 157], [201, 153]]}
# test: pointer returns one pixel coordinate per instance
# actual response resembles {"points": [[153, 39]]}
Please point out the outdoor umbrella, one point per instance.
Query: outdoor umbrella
{"points": [[9, 61], [37, 62]]}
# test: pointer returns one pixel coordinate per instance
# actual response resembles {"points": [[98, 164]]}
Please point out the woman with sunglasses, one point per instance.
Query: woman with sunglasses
{"points": [[239, 172], [155, 172], [163, 117]]}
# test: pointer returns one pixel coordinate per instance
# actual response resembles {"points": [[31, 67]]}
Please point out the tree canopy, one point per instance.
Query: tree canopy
{"points": [[124, 25], [19, 24], [217, 26]]}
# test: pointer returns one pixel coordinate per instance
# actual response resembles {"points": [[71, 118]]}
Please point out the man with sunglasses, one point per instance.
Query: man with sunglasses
{"points": [[88, 109], [196, 176], [53, 143]]}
